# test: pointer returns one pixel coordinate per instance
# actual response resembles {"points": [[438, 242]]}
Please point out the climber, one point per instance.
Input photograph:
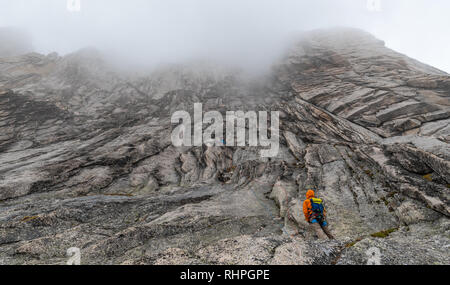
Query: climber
{"points": [[315, 214]]}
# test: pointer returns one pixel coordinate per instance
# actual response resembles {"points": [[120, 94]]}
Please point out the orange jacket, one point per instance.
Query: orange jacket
{"points": [[307, 205]]}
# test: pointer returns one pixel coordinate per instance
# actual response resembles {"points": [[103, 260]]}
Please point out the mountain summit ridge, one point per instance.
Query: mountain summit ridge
{"points": [[86, 160]]}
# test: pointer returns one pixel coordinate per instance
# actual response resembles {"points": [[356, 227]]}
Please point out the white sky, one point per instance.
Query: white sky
{"points": [[249, 32]]}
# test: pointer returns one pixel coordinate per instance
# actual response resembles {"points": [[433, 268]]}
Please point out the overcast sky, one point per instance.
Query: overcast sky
{"points": [[247, 31]]}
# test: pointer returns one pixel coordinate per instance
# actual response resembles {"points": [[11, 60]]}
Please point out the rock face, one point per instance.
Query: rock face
{"points": [[86, 160]]}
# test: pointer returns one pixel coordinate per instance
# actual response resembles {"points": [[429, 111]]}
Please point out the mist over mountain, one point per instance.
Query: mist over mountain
{"points": [[251, 33], [14, 41]]}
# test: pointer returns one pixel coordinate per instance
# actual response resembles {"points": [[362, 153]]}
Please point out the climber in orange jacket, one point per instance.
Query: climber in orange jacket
{"points": [[315, 214]]}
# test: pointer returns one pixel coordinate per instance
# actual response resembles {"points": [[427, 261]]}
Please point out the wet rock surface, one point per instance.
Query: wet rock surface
{"points": [[86, 160]]}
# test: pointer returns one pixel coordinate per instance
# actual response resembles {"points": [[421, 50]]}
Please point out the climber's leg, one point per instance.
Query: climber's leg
{"points": [[326, 230], [318, 229]]}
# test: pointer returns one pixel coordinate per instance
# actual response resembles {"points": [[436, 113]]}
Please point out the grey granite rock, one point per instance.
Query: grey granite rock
{"points": [[86, 160]]}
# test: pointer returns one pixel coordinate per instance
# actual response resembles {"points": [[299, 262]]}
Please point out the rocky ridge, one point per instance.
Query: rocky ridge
{"points": [[86, 160]]}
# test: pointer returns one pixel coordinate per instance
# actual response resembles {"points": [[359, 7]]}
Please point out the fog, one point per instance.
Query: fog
{"points": [[250, 33]]}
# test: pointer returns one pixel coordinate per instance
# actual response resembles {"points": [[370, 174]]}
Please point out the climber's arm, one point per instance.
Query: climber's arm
{"points": [[306, 210]]}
